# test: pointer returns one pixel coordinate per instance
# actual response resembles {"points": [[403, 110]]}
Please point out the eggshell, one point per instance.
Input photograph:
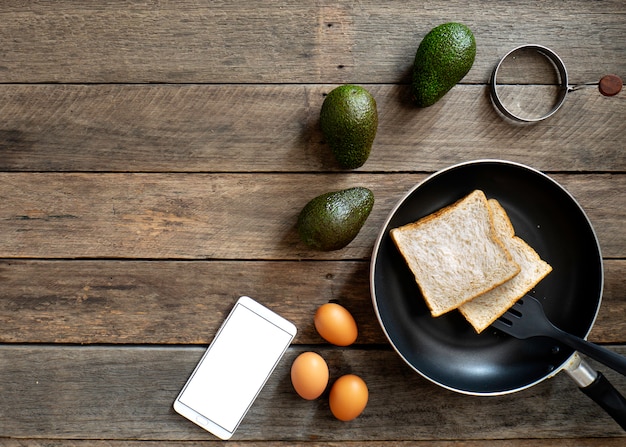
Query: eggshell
{"points": [[309, 375], [348, 397], [335, 324]]}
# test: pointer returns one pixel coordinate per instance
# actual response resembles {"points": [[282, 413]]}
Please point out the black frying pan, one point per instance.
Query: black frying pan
{"points": [[446, 350]]}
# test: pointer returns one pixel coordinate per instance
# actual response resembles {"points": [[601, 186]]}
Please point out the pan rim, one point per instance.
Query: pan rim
{"points": [[383, 232]]}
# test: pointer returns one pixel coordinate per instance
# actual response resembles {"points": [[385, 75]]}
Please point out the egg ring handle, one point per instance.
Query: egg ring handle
{"points": [[563, 86]]}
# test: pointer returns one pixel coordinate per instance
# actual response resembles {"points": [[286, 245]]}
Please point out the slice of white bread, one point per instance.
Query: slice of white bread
{"points": [[454, 253], [486, 308]]}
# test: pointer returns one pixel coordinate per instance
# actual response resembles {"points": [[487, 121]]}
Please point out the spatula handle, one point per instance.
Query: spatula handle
{"points": [[605, 356]]}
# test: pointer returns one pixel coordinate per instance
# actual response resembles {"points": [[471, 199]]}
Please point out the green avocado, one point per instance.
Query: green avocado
{"points": [[443, 58], [349, 121], [332, 220]]}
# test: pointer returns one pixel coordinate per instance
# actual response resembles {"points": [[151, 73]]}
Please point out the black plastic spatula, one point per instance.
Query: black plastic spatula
{"points": [[526, 319]]}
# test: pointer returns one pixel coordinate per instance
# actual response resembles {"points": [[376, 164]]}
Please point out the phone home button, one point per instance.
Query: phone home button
{"points": [[202, 420]]}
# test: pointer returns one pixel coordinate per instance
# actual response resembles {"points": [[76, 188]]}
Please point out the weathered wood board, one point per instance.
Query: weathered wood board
{"points": [[181, 302], [127, 393], [275, 128], [290, 41]]}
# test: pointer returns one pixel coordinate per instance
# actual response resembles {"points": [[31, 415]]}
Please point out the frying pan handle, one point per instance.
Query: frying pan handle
{"points": [[597, 387], [605, 395]]}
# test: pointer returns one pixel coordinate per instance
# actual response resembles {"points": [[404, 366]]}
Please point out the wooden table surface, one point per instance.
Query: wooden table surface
{"points": [[154, 156]]}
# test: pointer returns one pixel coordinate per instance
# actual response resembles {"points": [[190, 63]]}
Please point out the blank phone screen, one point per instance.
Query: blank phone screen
{"points": [[235, 367]]}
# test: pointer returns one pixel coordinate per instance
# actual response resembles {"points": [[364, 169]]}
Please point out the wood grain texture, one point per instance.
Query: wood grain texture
{"points": [[238, 216], [290, 41], [127, 393], [578, 442], [140, 302], [171, 302], [154, 156], [275, 128]]}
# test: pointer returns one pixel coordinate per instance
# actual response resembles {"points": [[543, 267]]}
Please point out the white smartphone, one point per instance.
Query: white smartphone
{"points": [[235, 367]]}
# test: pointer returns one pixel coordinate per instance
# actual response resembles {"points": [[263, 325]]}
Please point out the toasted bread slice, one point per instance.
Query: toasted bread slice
{"points": [[454, 253], [486, 308]]}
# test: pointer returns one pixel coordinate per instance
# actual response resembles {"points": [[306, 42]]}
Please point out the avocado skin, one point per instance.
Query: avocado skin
{"points": [[443, 58], [349, 120], [332, 220]]}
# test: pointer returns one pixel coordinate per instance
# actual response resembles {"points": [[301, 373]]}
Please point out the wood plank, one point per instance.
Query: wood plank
{"points": [[126, 393], [204, 128], [613, 306], [171, 302], [206, 216], [286, 41], [168, 302], [575, 442]]}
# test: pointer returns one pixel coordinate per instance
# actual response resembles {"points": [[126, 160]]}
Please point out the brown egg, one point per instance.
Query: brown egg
{"points": [[309, 375], [335, 324], [348, 397]]}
